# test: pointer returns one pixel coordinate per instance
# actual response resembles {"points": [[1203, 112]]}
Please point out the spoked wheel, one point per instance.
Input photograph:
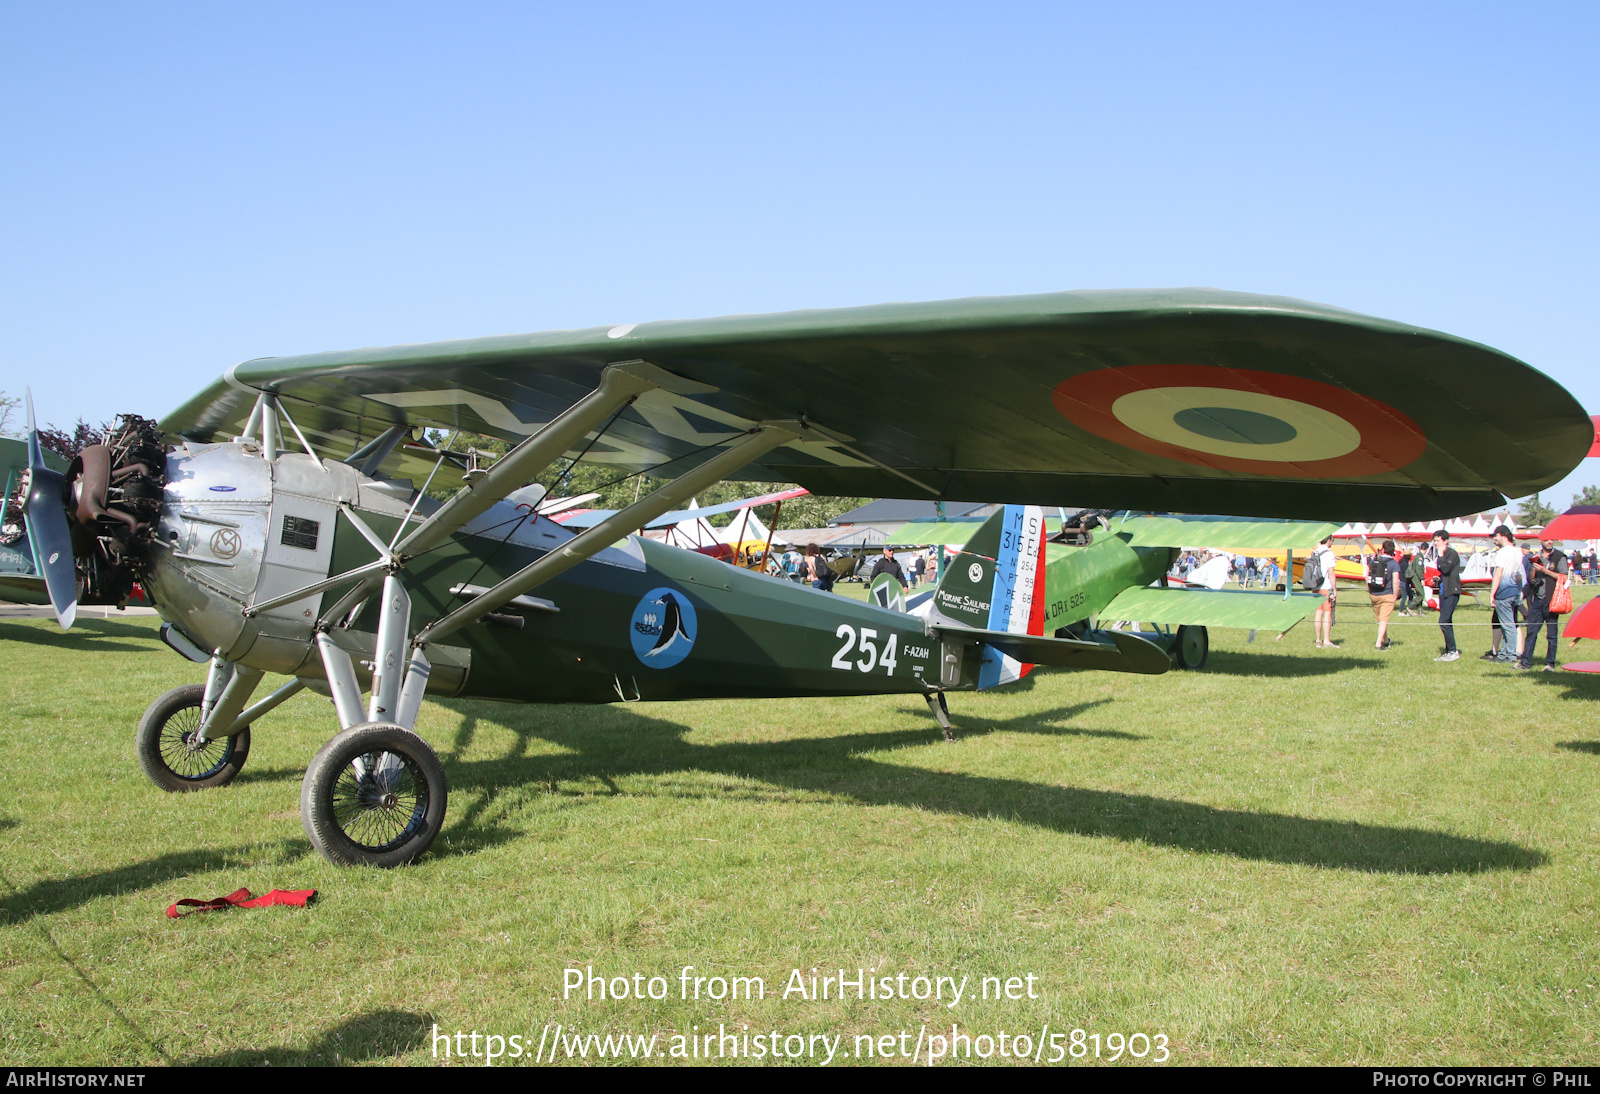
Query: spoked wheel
{"points": [[169, 753], [374, 796], [1191, 648]]}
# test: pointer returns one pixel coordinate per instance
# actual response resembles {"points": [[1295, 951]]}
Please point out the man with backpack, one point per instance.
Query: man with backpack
{"points": [[817, 570], [1449, 565], [1383, 585], [1318, 577]]}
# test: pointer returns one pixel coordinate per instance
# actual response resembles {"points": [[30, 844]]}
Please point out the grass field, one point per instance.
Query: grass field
{"points": [[1293, 856]]}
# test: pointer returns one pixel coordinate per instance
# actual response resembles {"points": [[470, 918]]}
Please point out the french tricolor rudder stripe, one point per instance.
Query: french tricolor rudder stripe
{"points": [[1017, 595]]}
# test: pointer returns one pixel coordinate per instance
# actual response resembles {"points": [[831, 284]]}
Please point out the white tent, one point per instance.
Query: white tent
{"points": [[744, 525]]}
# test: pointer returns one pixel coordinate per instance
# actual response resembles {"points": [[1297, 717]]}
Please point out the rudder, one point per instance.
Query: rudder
{"points": [[997, 583]]}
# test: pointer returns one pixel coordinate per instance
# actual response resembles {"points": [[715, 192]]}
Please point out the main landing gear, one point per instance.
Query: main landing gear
{"points": [[1192, 647], [172, 752], [374, 795]]}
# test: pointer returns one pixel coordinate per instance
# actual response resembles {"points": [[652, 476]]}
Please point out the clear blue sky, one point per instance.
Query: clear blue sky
{"points": [[186, 186]]}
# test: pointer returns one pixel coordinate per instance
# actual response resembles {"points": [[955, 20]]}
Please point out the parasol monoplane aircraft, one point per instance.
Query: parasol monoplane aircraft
{"points": [[280, 519]]}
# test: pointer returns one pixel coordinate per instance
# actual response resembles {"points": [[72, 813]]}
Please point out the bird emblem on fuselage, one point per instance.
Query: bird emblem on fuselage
{"points": [[663, 628]]}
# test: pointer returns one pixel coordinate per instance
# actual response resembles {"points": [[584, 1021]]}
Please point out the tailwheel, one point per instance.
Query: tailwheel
{"points": [[1191, 648], [170, 752], [374, 796]]}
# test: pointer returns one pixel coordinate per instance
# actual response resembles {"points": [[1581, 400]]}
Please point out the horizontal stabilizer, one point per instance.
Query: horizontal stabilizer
{"points": [[1267, 611], [1125, 653]]}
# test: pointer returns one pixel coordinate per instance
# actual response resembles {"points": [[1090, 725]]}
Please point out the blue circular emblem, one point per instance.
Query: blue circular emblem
{"points": [[223, 489], [663, 628]]}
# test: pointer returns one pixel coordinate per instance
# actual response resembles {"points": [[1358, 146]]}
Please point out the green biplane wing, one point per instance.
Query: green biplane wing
{"points": [[1265, 611], [1235, 535], [1182, 399], [14, 457]]}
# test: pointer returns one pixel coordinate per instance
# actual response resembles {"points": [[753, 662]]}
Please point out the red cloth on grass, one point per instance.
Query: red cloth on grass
{"points": [[240, 898]]}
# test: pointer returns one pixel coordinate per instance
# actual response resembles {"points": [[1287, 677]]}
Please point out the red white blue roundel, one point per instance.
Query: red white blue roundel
{"points": [[1231, 419], [663, 628]]}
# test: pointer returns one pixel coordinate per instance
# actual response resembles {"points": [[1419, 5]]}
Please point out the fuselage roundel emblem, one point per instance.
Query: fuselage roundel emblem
{"points": [[663, 628]]}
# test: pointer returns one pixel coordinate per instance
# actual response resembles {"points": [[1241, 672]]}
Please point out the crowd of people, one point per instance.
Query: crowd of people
{"points": [[811, 567], [1246, 571], [1523, 585]]}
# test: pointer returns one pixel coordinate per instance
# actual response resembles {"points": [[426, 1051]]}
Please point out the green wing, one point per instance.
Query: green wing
{"points": [[1240, 536], [1185, 399], [1201, 607], [14, 457]]}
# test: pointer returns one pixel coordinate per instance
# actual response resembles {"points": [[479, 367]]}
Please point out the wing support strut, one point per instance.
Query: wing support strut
{"points": [[620, 384], [759, 441], [399, 680]]}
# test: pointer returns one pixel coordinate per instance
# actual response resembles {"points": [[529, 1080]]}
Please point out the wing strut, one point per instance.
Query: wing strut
{"points": [[620, 384], [757, 443]]}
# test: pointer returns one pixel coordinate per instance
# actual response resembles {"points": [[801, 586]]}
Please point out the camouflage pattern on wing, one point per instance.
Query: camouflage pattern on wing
{"points": [[1165, 400]]}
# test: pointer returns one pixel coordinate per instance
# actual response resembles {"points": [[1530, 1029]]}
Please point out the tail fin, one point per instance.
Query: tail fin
{"points": [[996, 583]]}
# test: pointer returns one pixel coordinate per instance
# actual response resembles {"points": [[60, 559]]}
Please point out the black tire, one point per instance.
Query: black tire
{"points": [[1192, 648], [162, 743], [386, 816]]}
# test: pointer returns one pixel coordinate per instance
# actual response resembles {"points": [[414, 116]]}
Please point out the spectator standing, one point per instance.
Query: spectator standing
{"points": [[1449, 565], [1549, 565], [817, 570], [1322, 618], [919, 569], [1383, 585], [890, 565], [1417, 589], [1505, 589]]}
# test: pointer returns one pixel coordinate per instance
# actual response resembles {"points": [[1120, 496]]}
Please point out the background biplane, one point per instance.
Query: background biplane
{"points": [[21, 581], [281, 523], [1113, 568]]}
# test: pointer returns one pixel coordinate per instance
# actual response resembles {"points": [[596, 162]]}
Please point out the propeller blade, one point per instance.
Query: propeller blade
{"points": [[48, 532]]}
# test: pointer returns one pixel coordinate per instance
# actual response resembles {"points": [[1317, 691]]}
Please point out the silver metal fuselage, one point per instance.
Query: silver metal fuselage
{"points": [[236, 531]]}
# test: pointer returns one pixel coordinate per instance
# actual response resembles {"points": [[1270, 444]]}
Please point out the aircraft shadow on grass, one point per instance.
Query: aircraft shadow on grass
{"points": [[1591, 747], [619, 744], [1581, 686], [1282, 664], [60, 894], [86, 636], [1238, 664], [376, 1035]]}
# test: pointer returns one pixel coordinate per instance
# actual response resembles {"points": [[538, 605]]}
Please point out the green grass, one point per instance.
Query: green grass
{"points": [[1293, 856]]}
